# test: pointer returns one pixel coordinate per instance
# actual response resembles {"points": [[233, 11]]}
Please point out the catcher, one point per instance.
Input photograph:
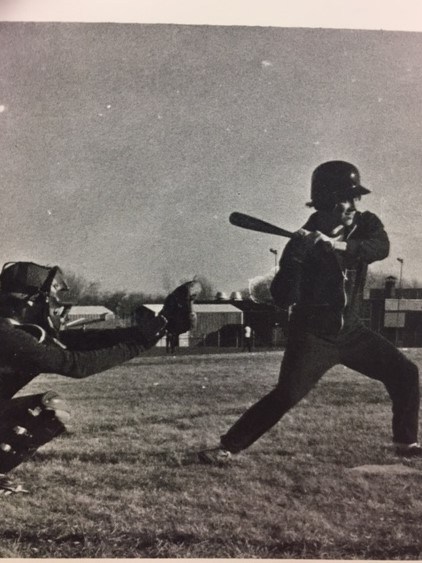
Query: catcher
{"points": [[321, 280], [32, 313]]}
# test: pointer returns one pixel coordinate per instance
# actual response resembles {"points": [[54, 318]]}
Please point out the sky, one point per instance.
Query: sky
{"points": [[125, 146], [405, 15]]}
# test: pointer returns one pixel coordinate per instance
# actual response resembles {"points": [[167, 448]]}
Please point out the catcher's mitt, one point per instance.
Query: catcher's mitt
{"points": [[178, 308]]}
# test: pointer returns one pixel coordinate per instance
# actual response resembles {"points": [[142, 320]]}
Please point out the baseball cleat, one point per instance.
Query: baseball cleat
{"points": [[9, 487], [214, 456], [178, 308], [409, 450]]}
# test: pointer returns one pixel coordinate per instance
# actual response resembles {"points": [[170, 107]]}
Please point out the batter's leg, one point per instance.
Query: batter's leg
{"points": [[306, 359], [376, 357]]}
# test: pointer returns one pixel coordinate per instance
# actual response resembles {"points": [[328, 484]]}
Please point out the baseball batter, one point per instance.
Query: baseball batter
{"points": [[321, 280], [31, 315]]}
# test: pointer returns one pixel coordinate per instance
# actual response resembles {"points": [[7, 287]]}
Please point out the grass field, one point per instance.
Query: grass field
{"points": [[120, 483]]}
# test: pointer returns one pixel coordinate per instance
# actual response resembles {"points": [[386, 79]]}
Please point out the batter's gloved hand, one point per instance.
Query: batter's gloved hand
{"points": [[178, 308]]}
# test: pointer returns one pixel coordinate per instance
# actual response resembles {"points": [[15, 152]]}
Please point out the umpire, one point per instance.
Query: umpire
{"points": [[321, 280]]}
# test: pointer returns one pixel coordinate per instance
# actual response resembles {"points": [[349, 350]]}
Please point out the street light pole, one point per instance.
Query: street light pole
{"points": [[401, 273], [273, 251], [399, 298]]}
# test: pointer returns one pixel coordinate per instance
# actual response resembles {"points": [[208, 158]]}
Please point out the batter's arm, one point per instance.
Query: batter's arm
{"points": [[371, 242]]}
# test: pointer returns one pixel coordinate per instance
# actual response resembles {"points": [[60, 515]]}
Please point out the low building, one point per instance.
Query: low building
{"points": [[218, 323], [81, 315], [396, 313]]}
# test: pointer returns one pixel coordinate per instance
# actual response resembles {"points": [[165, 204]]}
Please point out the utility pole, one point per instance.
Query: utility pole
{"points": [[399, 298]]}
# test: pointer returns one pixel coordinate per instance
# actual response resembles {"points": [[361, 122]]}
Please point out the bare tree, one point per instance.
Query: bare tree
{"points": [[207, 288]]}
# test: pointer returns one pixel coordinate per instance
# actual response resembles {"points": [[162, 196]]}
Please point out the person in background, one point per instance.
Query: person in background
{"points": [[247, 338]]}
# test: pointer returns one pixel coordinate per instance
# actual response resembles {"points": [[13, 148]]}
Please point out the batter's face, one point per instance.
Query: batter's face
{"points": [[344, 212]]}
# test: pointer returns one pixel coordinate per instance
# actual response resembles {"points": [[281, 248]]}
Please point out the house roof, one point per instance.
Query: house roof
{"points": [[156, 307], [216, 308], [90, 310], [202, 308]]}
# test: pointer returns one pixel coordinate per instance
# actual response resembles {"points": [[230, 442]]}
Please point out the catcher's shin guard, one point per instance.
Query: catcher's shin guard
{"points": [[26, 423]]}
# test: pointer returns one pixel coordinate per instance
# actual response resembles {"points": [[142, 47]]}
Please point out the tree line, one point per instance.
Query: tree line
{"points": [[84, 292]]}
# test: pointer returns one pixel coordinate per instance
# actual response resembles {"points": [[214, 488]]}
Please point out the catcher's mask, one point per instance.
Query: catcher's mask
{"points": [[32, 294]]}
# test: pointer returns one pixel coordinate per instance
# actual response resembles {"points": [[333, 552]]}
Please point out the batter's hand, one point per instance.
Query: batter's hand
{"points": [[312, 238], [318, 237], [301, 233]]}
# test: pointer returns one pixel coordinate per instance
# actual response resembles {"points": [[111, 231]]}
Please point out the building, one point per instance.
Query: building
{"points": [[218, 323], [221, 323], [81, 315], [268, 323], [396, 313]]}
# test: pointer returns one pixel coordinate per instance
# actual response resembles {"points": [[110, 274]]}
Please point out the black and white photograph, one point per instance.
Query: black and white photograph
{"points": [[210, 280]]}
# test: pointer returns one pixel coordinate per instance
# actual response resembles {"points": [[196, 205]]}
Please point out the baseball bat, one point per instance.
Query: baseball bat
{"points": [[254, 224]]}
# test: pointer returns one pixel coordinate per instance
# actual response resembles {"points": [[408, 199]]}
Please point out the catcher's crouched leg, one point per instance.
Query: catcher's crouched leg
{"points": [[26, 423]]}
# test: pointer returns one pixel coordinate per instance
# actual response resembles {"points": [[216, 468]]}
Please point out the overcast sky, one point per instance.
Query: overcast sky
{"points": [[126, 147], [404, 15]]}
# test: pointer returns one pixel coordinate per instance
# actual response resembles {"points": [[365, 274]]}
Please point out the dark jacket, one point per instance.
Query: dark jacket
{"points": [[326, 286], [79, 354]]}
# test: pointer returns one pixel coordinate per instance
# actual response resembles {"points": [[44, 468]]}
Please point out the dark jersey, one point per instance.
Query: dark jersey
{"points": [[79, 354], [327, 285]]}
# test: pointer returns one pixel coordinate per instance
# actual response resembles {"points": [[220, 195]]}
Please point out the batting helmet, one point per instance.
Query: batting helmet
{"points": [[335, 181]]}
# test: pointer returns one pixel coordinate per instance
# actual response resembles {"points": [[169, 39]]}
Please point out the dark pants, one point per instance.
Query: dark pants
{"points": [[308, 357]]}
